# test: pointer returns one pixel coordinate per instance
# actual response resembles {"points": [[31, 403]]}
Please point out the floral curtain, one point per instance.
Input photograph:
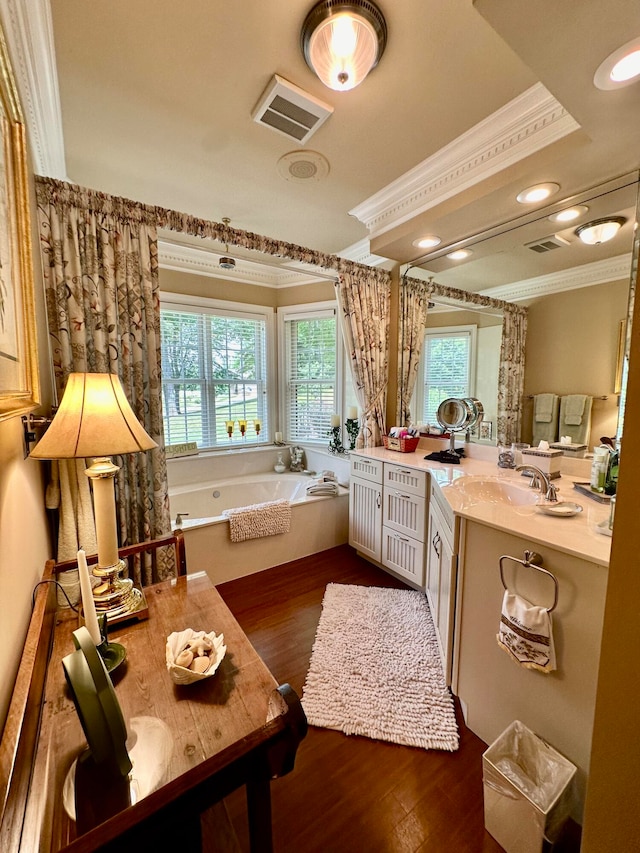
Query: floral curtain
{"points": [[100, 268], [511, 374], [363, 305], [414, 304]]}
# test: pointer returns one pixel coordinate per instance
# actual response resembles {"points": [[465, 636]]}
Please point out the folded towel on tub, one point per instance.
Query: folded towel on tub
{"points": [[323, 488], [526, 633], [257, 520]]}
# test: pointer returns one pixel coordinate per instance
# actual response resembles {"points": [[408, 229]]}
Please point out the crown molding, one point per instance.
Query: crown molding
{"points": [[360, 253], [586, 275], [28, 32], [196, 260], [528, 123]]}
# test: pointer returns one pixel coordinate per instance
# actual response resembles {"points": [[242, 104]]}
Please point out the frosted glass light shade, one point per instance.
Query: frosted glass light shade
{"points": [[600, 230], [94, 419], [342, 42]]}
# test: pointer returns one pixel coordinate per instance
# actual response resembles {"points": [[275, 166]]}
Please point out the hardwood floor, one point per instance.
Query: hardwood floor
{"points": [[351, 793]]}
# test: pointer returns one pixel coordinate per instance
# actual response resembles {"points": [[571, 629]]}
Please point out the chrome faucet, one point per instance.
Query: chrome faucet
{"points": [[541, 481]]}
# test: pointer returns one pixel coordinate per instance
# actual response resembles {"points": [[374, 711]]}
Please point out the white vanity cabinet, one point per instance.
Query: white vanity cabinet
{"points": [[441, 574], [365, 506], [388, 515], [404, 522]]}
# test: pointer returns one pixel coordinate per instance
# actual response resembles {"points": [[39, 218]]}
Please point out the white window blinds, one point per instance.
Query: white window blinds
{"points": [[311, 380]]}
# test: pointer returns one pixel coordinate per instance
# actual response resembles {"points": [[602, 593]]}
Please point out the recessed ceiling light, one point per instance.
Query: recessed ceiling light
{"points": [[427, 242], [459, 254], [620, 68], [600, 230], [569, 214], [537, 193]]}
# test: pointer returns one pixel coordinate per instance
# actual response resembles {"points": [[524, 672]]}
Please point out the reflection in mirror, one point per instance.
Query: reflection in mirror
{"points": [[449, 366], [576, 296]]}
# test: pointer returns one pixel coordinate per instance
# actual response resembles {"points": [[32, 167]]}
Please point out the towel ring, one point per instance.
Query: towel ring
{"points": [[532, 560]]}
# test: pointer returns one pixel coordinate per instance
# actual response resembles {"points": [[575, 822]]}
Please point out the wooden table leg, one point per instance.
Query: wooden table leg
{"points": [[259, 810]]}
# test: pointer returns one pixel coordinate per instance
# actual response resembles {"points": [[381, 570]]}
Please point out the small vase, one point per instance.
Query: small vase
{"points": [[279, 467]]}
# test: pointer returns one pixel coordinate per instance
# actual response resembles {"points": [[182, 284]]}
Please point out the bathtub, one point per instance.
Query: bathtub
{"points": [[317, 523]]}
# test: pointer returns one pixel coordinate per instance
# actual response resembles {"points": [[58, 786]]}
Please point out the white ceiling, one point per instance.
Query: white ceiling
{"points": [[156, 98]]}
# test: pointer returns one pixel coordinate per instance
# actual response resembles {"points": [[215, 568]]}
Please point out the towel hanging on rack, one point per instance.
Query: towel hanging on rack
{"points": [[526, 633]]}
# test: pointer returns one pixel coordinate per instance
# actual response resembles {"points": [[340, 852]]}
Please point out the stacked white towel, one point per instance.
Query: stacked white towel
{"points": [[326, 483], [526, 633]]}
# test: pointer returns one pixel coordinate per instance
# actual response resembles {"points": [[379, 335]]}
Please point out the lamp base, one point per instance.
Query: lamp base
{"points": [[116, 597]]}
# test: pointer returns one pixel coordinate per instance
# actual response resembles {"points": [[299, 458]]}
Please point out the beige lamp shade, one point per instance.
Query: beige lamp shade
{"points": [[94, 419]]}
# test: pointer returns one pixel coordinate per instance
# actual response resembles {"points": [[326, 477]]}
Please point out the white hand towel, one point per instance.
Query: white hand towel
{"points": [[526, 633]]}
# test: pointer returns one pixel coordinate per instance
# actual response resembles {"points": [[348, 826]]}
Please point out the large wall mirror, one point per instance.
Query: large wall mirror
{"points": [[577, 296]]}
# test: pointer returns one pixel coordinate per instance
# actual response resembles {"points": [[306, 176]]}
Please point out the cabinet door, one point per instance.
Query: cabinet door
{"points": [[434, 553], [365, 517], [446, 606], [441, 586]]}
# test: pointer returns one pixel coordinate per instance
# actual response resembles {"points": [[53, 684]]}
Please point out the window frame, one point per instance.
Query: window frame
{"points": [[418, 398], [240, 310]]}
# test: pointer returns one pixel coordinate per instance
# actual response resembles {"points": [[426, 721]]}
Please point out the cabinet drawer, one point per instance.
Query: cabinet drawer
{"points": [[404, 512], [404, 555], [405, 479], [366, 469]]}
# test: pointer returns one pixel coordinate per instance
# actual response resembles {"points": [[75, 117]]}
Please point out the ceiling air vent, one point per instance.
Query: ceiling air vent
{"points": [[288, 110], [547, 244]]}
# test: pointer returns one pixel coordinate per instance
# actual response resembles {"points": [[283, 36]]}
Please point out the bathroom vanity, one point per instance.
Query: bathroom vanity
{"points": [[443, 529]]}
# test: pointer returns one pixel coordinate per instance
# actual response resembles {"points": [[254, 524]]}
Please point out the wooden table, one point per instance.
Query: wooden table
{"points": [[235, 728]]}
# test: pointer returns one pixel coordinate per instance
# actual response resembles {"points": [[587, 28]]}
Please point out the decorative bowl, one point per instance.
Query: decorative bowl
{"points": [[194, 655]]}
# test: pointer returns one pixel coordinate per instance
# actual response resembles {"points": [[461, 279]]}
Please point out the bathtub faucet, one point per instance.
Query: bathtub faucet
{"points": [[179, 518]]}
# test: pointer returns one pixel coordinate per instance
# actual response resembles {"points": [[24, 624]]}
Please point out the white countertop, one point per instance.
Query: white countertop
{"points": [[576, 535]]}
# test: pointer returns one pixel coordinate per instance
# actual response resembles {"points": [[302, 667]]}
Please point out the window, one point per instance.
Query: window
{"points": [[312, 371], [447, 369], [214, 372]]}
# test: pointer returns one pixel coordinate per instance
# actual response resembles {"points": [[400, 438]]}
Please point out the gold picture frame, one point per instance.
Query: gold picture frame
{"points": [[19, 378]]}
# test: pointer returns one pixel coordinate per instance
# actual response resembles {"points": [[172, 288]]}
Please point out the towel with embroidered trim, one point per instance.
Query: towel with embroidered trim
{"points": [[526, 633]]}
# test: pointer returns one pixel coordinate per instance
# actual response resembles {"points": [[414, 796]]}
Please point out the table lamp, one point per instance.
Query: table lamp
{"points": [[95, 420]]}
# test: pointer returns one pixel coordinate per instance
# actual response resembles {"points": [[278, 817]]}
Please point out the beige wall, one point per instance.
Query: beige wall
{"points": [[572, 341], [249, 294]]}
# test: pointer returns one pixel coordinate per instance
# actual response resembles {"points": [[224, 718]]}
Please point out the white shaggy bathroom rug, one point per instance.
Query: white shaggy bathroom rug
{"points": [[375, 669]]}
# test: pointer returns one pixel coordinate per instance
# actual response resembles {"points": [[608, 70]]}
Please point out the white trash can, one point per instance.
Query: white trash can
{"points": [[528, 790]]}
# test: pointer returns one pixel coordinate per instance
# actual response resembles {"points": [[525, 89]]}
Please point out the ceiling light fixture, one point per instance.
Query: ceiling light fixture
{"points": [[600, 230], [342, 42], [225, 262], [429, 241], [539, 192], [459, 254], [569, 214], [620, 68]]}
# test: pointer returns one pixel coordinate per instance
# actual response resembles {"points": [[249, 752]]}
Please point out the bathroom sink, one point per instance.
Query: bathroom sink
{"points": [[474, 490]]}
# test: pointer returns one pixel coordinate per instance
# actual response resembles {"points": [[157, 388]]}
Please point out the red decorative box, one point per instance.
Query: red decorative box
{"points": [[406, 444]]}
